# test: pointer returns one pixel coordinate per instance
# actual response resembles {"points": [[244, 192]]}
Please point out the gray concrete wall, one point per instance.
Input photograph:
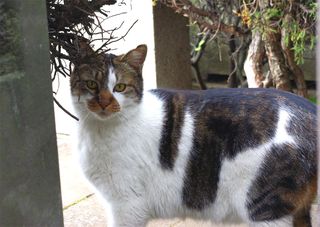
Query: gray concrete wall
{"points": [[172, 49], [211, 63], [29, 173]]}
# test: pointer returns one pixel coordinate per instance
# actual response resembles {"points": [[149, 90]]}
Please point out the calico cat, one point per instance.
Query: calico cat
{"points": [[220, 155]]}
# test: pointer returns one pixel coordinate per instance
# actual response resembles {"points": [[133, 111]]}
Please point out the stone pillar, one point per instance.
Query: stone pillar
{"points": [[172, 49], [318, 109], [29, 174]]}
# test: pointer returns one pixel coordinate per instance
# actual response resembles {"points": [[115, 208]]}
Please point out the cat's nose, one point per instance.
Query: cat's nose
{"points": [[103, 105], [105, 98]]}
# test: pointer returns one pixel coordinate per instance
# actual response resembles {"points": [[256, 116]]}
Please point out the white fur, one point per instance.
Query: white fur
{"points": [[120, 157], [282, 222], [112, 78], [282, 135]]}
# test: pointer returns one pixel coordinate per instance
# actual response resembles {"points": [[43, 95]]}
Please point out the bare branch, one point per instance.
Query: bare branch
{"points": [[64, 109]]}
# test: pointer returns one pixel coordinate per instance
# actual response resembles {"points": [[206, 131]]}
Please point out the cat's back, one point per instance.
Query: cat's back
{"points": [[228, 113], [235, 98]]}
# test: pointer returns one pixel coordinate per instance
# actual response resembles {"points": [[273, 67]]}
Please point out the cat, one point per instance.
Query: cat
{"points": [[225, 155]]}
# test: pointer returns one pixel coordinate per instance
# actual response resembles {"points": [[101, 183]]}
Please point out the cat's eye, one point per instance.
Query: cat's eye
{"points": [[119, 87], [92, 84]]}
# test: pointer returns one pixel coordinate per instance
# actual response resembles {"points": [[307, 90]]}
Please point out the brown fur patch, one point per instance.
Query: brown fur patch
{"points": [[302, 219], [178, 112], [127, 75], [83, 73], [302, 200], [105, 98], [135, 58], [303, 197]]}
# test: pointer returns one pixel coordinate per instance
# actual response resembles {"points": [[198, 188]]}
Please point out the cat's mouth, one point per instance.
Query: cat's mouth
{"points": [[103, 110], [103, 114]]}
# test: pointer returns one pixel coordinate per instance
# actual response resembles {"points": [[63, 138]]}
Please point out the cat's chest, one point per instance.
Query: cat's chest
{"points": [[105, 169], [104, 151], [119, 156]]}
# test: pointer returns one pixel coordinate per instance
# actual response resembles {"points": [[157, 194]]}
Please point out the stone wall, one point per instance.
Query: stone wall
{"points": [[29, 173]]}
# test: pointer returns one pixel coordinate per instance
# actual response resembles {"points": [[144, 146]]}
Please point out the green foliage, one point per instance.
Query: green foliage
{"points": [[313, 99], [300, 35], [299, 29], [272, 14], [266, 21], [313, 10], [200, 45]]}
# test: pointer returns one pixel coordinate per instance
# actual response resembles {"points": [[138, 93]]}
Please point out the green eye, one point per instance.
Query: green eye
{"points": [[119, 87], [92, 84]]}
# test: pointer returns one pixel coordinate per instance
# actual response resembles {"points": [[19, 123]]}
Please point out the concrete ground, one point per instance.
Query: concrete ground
{"points": [[82, 208]]}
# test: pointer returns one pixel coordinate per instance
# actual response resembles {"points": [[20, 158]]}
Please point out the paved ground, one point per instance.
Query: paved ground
{"points": [[81, 206]]}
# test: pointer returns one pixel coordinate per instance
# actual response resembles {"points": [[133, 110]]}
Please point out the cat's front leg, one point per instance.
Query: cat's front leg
{"points": [[130, 215]]}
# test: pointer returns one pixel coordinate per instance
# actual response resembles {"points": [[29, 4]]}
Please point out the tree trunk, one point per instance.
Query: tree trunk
{"points": [[253, 65], [296, 71], [276, 60], [268, 81]]}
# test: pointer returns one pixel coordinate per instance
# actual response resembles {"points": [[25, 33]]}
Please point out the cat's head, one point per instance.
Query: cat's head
{"points": [[110, 85]]}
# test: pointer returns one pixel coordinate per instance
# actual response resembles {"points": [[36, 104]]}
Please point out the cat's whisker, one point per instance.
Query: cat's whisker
{"points": [[122, 116], [86, 117]]}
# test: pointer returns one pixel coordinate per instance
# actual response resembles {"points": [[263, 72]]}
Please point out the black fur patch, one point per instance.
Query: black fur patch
{"points": [[171, 130]]}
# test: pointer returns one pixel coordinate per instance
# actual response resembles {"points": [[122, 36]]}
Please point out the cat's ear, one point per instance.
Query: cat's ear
{"points": [[83, 53], [85, 49], [135, 58]]}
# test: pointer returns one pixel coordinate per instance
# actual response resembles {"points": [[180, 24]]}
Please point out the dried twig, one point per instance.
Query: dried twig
{"points": [[73, 23], [64, 109]]}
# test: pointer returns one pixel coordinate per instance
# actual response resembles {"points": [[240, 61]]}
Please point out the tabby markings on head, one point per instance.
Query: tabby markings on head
{"points": [[111, 83]]}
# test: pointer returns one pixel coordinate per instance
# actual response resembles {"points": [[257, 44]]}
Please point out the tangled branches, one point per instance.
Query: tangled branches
{"points": [[74, 25], [208, 15], [72, 22]]}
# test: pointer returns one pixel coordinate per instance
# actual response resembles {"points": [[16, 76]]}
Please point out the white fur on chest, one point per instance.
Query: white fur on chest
{"points": [[118, 156]]}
